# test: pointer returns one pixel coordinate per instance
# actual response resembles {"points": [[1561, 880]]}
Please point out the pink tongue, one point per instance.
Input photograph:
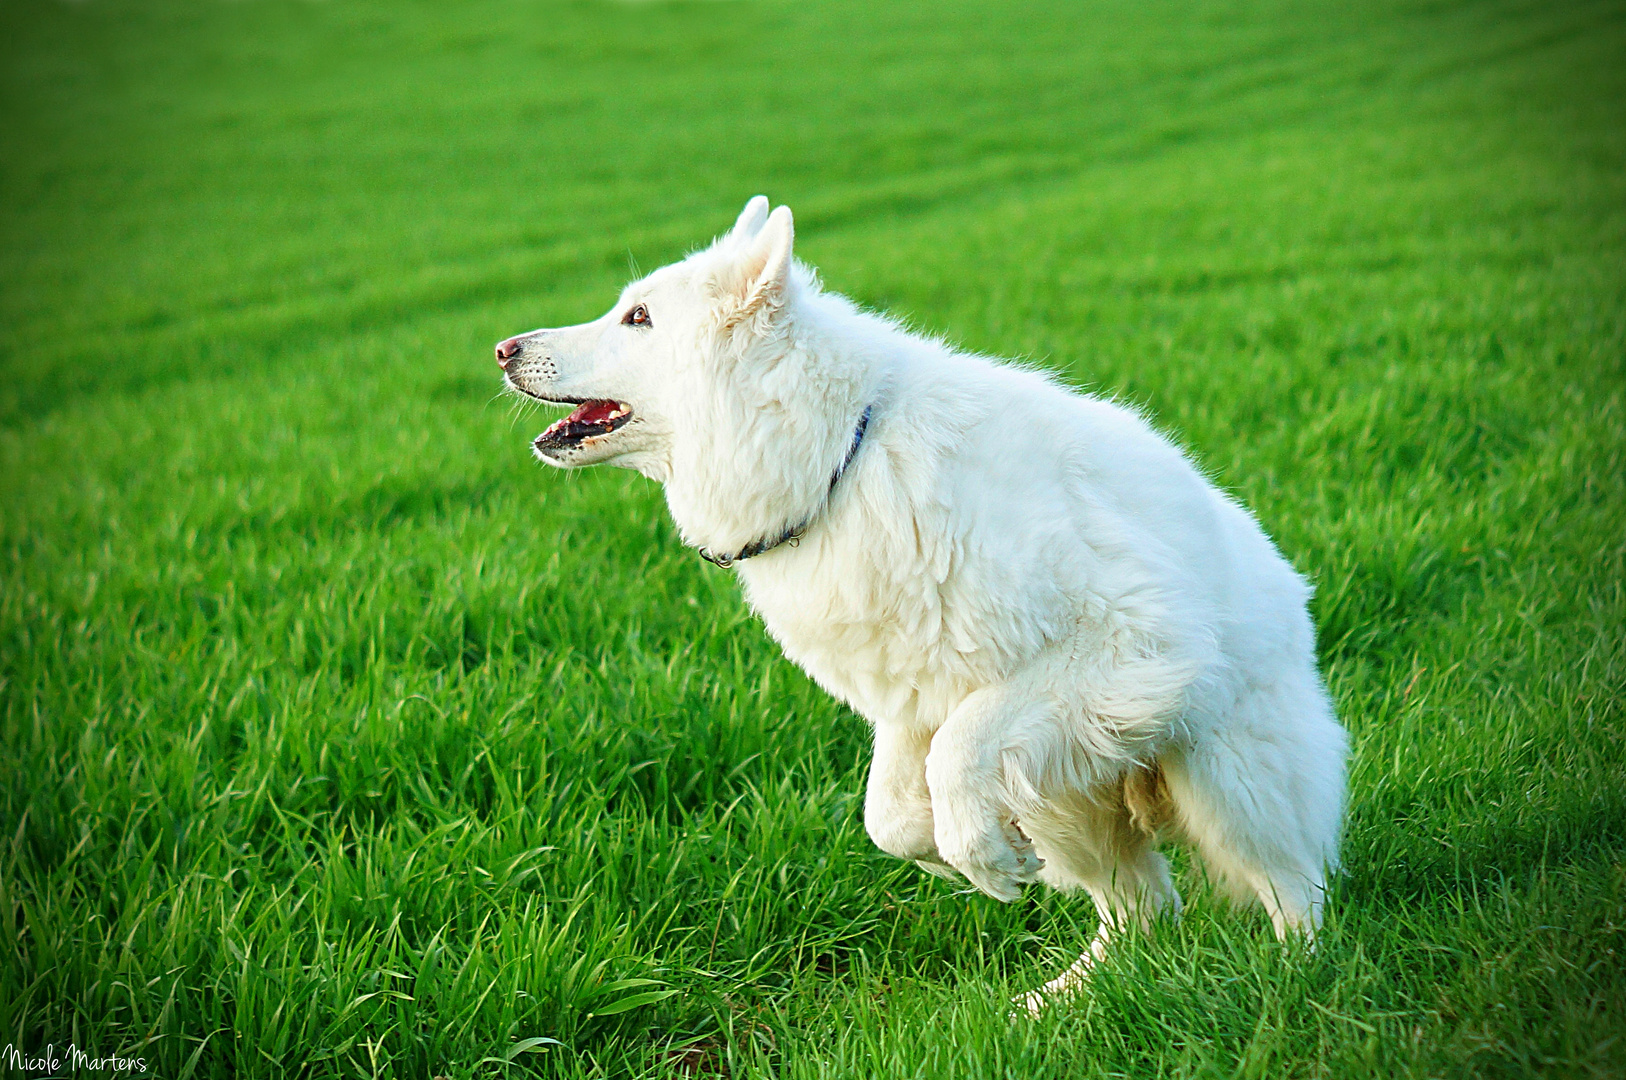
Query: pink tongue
{"points": [[593, 412]]}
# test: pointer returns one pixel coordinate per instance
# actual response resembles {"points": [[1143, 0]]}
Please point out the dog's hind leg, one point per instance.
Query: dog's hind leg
{"points": [[1062, 727], [1098, 844]]}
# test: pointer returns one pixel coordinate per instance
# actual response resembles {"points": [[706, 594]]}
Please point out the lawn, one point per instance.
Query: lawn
{"points": [[340, 738]]}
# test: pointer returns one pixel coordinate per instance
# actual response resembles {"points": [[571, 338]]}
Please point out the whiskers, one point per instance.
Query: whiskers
{"points": [[520, 406]]}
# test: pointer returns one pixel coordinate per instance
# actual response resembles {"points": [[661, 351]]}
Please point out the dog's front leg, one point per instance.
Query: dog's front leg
{"points": [[897, 804], [976, 832]]}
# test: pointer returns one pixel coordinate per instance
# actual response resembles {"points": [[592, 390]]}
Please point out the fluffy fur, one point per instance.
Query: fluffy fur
{"points": [[1068, 643]]}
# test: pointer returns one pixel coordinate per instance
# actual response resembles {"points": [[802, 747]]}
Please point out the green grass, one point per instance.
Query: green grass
{"points": [[340, 739]]}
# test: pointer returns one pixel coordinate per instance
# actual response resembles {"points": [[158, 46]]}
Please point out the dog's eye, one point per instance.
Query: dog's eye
{"points": [[638, 316]]}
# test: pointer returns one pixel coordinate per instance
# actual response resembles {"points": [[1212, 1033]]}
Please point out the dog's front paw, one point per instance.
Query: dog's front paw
{"points": [[997, 861]]}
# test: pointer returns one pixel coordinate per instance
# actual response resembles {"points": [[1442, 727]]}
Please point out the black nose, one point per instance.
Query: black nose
{"points": [[506, 351]]}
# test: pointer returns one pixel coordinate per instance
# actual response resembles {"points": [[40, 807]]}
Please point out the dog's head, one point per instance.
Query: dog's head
{"points": [[655, 364]]}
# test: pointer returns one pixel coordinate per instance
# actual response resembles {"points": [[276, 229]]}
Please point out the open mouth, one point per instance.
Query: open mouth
{"points": [[590, 419]]}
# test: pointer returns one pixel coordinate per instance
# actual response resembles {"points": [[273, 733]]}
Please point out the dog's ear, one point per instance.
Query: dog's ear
{"points": [[751, 219], [762, 274]]}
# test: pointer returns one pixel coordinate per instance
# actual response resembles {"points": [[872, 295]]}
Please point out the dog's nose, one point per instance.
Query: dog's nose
{"points": [[506, 351]]}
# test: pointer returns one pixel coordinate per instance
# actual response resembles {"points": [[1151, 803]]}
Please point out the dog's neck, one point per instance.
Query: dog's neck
{"points": [[791, 535], [773, 430]]}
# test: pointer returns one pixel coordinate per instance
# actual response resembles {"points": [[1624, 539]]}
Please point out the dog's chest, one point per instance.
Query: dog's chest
{"points": [[890, 638]]}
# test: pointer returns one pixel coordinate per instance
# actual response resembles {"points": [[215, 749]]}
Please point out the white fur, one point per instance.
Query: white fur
{"points": [[1065, 638]]}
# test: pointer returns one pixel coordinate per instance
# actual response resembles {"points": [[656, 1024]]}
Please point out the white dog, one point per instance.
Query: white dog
{"points": [[1067, 641]]}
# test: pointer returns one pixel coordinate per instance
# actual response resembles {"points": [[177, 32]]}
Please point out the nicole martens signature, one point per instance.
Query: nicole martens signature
{"points": [[70, 1059]]}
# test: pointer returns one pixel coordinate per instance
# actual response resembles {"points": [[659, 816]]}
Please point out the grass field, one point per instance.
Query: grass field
{"points": [[341, 739]]}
